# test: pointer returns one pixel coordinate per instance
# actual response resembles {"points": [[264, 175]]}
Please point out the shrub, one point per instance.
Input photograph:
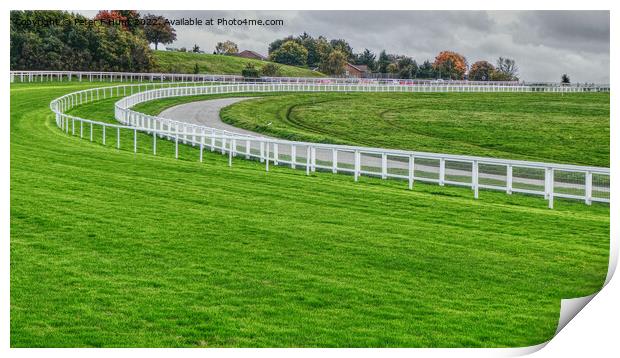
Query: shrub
{"points": [[250, 71], [271, 70]]}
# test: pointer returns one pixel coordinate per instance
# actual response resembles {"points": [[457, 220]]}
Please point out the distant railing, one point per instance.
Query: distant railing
{"points": [[590, 184], [90, 76]]}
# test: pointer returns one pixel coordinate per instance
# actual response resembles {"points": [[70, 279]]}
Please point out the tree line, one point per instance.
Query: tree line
{"points": [[331, 57], [116, 40]]}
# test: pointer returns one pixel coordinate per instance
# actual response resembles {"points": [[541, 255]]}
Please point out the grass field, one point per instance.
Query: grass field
{"points": [[111, 248], [569, 128], [184, 62]]}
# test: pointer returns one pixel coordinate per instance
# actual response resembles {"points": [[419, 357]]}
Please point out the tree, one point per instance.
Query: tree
{"points": [[196, 69], [426, 70], [322, 48], [270, 70], [196, 48], [343, 46], [565, 79], [129, 20], [481, 71], [134, 22], [276, 44], [226, 48], [506, 70], [111, 18], [392, 68], [310, 44], [366, 58], [450, 65], [290, 53], [335, 63], [157, 30], [407, 68], [383, 62], [249, 71], [73, 42]]}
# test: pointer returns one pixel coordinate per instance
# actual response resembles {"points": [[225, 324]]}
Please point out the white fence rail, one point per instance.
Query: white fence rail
{"points": [[590, 184], [437, 85]]}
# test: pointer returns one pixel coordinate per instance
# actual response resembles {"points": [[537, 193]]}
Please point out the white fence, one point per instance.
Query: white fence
{"points": [[590, 184], [434, 85]]}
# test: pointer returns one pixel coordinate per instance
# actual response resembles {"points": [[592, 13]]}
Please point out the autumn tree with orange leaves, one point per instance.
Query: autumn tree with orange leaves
{"points": [[110, 17], [450, 65], [127, 19]]}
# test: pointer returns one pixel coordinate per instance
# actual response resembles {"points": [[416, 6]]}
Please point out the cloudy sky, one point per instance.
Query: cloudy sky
{"points": [[544, 44]]}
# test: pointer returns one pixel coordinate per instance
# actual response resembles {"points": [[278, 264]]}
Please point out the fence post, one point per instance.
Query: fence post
{"points": [[202, 144], [313, 158], [293, 155], [547, 172], [411, 171], [118, 138], [91, 131], [308, 160], [176, 142], [103, 134], [81, 129], [223, 147], [275, 153], [230, 151], [509, 179], [551, 184], [356, 169], [475, 178], [442, 171], [154, 143], [383, 166], [266, 156], [334, 160], [72, 126], [135, 140], [588, 188], [262, 152]]}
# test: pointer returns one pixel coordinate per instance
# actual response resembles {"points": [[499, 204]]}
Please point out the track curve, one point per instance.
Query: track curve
{"points": [[207, 113]]}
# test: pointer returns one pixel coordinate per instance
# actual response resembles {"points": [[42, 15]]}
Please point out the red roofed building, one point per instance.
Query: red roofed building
{"points": [[358, 71], [251, 54]]}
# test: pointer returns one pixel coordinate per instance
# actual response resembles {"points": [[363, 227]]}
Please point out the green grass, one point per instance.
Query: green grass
{"points": [[569, 128], [184, 62], [111, 248]]}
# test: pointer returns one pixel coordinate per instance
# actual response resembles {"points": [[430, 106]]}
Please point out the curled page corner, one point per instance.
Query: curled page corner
{"points": [[570, 307]]}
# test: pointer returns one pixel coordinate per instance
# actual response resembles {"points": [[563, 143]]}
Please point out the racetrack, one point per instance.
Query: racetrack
{"points": [[136, 249], [207, 113]]}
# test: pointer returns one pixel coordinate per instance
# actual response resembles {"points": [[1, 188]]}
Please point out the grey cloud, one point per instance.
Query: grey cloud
{"points": [[585, 31]]}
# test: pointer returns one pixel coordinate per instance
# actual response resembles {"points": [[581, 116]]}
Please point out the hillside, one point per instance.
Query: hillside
{"points": [[184, 62]]}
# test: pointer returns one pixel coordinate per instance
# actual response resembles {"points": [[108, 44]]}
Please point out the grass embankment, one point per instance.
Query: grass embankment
{"points": [[184, 62], [112, 248]]}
